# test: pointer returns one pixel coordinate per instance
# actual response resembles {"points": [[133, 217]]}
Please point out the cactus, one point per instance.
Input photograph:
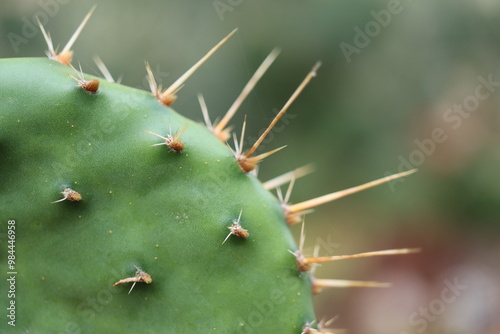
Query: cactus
{"points": [[131, 218]]}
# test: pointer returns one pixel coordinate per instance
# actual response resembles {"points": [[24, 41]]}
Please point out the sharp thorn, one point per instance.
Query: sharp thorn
{"points": [[236, 145], [75, 35], [319, 284], [47, 38], [174, 88], [240, 148], [104, 70], [262, 156], [59, 200], [302, 235], [287, 177], [294, 96], [204, 111], [131, 288], [227, 238], [157, 135], [219, 128], [151, 80], [323, 259], [289, 190], [327, 323], [280, 195], [339, 194], [249, 164]]}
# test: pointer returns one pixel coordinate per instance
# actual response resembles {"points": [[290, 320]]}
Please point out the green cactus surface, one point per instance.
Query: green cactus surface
{"points": [[163, 211]]}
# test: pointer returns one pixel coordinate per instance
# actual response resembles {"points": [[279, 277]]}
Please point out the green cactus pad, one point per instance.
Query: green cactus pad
{"points": [[163, 211]]}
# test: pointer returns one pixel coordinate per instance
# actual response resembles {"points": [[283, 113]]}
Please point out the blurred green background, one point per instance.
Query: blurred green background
{"points": [[356, 122]]}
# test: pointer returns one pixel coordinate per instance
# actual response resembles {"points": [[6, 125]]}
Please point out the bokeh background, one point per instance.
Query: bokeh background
{"points": [[357, 121]]}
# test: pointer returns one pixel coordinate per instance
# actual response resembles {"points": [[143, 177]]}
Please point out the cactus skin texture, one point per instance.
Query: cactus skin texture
{"points": [[163, 211]]}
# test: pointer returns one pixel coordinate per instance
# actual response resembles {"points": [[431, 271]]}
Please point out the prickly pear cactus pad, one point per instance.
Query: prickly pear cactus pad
{"points": [[166, 212], [130, 218]]}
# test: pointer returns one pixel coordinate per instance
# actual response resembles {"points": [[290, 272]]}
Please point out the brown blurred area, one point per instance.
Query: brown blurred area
{"points": [[418, 87]]}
